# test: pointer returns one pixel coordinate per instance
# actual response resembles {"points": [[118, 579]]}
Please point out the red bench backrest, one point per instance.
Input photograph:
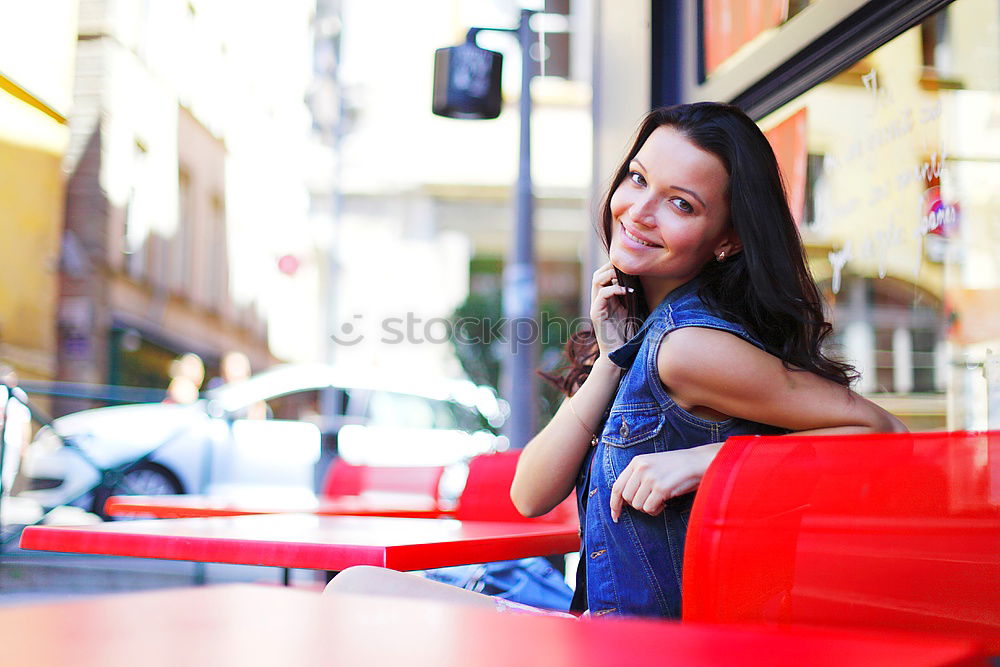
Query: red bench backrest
{"points": [[486, 496], [892, 531], [344, 479]]}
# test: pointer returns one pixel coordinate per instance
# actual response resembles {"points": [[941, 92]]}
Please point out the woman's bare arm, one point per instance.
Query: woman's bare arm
{"points": [[548, 466], [714, 370], [717, 375]]}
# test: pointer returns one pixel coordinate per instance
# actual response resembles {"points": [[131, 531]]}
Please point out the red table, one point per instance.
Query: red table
{"points": [[312, 542], [181, 506], [258, 625]]}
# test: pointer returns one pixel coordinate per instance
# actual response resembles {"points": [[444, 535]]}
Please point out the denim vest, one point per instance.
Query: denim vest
{"points": [[633, 567]]}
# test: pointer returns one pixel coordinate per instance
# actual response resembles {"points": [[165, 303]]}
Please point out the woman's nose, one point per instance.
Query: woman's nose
{"points": [[644, 211]]}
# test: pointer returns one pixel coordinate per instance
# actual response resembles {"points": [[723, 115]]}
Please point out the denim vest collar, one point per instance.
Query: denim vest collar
{"points": [[625, 355]]}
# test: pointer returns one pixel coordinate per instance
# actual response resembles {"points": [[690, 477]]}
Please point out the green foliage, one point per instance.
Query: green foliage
{"points": [[480, 358], [481, 353]]}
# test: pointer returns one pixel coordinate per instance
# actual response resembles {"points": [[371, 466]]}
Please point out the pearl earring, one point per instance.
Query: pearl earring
{"points": [[722, 256]]}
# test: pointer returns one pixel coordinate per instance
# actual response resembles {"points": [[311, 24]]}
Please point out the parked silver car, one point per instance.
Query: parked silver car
{"points": [[313, 412]]}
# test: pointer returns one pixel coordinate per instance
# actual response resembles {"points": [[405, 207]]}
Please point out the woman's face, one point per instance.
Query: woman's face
{"points": [[670, 215]]}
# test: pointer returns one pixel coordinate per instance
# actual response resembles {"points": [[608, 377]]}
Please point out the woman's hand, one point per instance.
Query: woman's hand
{"points": [[607, 311], [650, 480]]}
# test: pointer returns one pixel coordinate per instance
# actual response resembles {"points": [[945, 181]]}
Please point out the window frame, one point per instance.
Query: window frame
{"points": [[814, 45]]}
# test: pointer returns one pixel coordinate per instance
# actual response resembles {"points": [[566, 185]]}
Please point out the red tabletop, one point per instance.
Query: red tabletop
{"points": [[258, 625], [310, 541], [181, 506]]}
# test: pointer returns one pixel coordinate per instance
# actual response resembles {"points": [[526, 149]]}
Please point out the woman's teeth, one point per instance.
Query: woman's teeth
{"points": [[637, 239]]}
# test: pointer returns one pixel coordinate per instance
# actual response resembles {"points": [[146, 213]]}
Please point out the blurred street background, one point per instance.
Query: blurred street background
{"points": [[208, 177], [214, 176]]}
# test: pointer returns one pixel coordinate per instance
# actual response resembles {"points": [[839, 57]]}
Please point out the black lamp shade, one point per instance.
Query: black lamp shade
{"points": [[467, 82]]}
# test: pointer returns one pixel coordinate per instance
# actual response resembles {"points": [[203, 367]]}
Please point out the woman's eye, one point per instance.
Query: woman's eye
{"points": [[636, 178], [682, 205]]}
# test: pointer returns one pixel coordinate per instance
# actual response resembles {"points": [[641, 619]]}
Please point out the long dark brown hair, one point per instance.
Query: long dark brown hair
{"points": [[767, 288]]}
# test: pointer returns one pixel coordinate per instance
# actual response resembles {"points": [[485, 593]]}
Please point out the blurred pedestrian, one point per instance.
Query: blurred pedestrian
{"points": [[235, 367], [187, 372]]}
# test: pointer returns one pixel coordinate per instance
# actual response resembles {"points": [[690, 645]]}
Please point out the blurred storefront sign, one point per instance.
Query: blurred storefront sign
{"points": [[788, 140], [730, 24]]}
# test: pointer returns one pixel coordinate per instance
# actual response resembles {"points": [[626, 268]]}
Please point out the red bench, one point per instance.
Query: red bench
{"points": [[345, 479], [894, 531], [486, 496]]}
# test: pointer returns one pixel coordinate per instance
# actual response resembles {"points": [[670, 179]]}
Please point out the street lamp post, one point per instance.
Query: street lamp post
{"points": [[518, 385], [520, 290]]}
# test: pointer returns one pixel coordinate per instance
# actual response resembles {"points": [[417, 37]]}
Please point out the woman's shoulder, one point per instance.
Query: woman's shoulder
{"points": [[690, 355], [696, 342], [693, 312]]}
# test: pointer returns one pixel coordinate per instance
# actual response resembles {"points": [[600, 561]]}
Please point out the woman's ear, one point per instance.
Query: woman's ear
{"points": [[729, 247]]}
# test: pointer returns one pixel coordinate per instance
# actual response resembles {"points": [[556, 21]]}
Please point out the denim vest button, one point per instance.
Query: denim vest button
{"points": [[623, 432]]}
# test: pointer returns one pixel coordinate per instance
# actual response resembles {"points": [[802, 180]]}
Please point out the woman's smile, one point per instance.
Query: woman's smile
{"points": [[640, 241]]}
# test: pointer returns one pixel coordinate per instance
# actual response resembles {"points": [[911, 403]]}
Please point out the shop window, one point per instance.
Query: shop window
{"points": [[934, 42], [553, 52], [135, 230], [184, 239], [814, 185], [217, 282]]}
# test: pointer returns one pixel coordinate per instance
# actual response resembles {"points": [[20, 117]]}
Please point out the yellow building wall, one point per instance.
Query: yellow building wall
{"points": [[37, 48], [32, 143]]}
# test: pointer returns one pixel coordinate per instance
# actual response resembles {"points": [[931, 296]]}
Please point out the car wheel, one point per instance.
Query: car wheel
{"points": [[146, 479]]}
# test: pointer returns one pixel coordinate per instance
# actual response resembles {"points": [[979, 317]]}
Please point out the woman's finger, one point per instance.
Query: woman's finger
{"points": [[605, 277], [638, 499], [629, 485], [602, 300], [609, 291], [654, 502], [617, 500]]}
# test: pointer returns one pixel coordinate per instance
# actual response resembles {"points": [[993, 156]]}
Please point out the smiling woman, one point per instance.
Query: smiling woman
{"points": [[706, 325]]}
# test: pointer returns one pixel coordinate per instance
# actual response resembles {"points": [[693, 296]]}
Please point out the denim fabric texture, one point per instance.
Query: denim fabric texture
{"points": [[633, 567]]}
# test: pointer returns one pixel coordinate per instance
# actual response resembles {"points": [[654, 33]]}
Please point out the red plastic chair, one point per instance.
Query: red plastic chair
{"points": [[486, 496], [879, 531], [344, 479]]}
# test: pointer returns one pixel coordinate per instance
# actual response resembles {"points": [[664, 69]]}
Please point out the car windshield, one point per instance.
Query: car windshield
{"points": [[386, 408], [447, 404]]}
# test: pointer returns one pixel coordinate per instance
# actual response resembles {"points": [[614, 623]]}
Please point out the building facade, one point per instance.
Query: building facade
{"points": [[185, 187], [37, 46]]}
